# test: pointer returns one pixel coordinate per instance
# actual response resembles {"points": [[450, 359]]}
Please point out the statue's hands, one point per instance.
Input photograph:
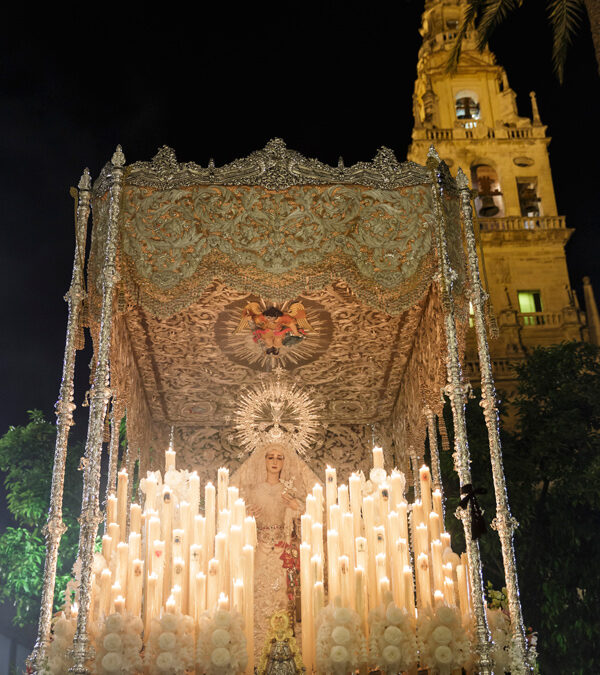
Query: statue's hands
{"points": [[290, 502], [255, 511]]}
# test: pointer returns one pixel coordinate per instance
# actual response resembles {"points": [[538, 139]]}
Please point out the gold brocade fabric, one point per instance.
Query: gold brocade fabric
{"points": [[277, 244]]}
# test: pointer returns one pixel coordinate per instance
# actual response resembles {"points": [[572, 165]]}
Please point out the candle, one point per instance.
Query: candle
{"points": [[402, 510], [359, 595], [384, 499], [122, 481], [111, 509], [449, 592], [250, 537], [221, 555], [195, 566], [178, 573], [438, 599], [248, 577], [317, 539], [122, 559], [239, 512], [212, 584], [345, 581], [222, 486], [356, 502], [113, 532], [135, 580], [176, 595], [318, 598], [107, 548], [397, 482], [135, 518], [409, 597], [397, 565], [343, 499], [170, 455], [384, 590], [171, 605], [120, 604], [166, 534], [105, 586], [369, 518], [224, 520], [437, 504], [463, 592], [306, 603], [210, 513], [381, 573], [306, 528], [311, 507], [425, 480], [115, 591], [423, 583], [151, 488], [380, 546], [236, 541], [194, 494], [223, 602], [421, 541], [150, 604], [199, 530], [434, 525], [348, 539], [238, 595], [436, 564], [445, 537], [377, 457], [177, 545], [317, 493], [402, 545], [330, 492], [157, 563], [333, 553], [335, 517], [200, 605], [316, 563], [360, 547], [232, 496]]}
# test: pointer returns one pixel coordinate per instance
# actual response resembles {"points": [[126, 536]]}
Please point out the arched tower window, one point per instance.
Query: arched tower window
{"points": [[489, 202], [467, 105]]}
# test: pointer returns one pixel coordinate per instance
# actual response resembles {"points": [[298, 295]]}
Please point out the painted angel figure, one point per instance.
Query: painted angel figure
{"points": [[273, 327]]}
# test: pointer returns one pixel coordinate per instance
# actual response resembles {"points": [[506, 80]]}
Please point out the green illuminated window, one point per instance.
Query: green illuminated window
{"points": [[529, 303]]}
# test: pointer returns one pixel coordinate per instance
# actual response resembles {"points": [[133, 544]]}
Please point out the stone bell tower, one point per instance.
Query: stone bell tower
{"points": [[471, 117]]}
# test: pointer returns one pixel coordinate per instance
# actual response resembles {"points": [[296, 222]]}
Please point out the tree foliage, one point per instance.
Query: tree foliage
{"points": [[26, 458], [552, 467]]}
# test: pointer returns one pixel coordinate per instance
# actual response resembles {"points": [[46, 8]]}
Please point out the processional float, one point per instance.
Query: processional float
{"points": [[373, 268]]}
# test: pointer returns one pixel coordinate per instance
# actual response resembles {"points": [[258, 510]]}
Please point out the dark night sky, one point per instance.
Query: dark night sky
{"points": [[333, 80]]}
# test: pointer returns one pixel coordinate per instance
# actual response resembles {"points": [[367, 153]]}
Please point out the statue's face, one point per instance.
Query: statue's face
{"points": [[274, 461]]}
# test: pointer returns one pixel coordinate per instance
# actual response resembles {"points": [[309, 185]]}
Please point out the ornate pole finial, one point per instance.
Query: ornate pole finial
{"points": [[341, 165], [432, 156], [118, 158], [85, 182], [172, 437], [461, 179]]}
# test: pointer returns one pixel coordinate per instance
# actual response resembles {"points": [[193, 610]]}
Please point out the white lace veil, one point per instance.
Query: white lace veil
{"points": [[253, 472]]}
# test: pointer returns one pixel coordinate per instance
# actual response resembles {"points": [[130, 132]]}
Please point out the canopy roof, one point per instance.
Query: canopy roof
{"points": [[356, 247]]}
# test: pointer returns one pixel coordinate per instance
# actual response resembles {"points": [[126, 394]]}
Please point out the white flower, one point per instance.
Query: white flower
{"points": [[136, 625], [342, 615], [391, 654], [167, 641], [114, 623], [442, 635], [222, 618], [409, 653], [112, 642], [220, 657], [340, 635], [220, 637], [168, 622], [165, 661], [185, 625], [111, 662], [394, 614], [445, 615], [392, 635], [443, 654], [338, 654]]}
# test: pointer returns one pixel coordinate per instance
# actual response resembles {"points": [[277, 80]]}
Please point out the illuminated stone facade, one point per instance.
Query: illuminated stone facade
{"points": [[471, 117]]}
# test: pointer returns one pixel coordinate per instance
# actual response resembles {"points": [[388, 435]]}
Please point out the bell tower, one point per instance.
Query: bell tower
{"points": [[471, 118]]}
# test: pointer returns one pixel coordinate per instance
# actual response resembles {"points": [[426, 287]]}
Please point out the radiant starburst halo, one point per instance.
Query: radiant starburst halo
{"points": [[276, 411]]}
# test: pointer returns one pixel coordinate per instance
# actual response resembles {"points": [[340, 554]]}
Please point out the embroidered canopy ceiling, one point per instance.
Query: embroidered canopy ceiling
{"points": [[356, 247]]}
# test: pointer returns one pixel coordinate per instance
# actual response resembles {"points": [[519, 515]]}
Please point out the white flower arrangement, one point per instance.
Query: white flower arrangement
{"points": [[221, 643], [170, 647], [58, 660], [341, 645], [118, 645], [499, 625], [443, 642], [392, 640]]}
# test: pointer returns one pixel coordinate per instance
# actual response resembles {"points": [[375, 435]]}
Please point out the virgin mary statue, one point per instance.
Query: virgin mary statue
{"points": [[274, 482]]}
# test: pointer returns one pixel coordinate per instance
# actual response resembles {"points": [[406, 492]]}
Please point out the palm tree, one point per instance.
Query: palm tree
{"points": [[564, 17]]}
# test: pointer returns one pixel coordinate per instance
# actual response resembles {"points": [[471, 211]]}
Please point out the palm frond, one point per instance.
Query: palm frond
{"points": [[494, 12], [565, 16], [471, 10]]}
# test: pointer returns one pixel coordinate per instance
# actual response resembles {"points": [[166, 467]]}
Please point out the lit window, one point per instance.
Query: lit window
{"points": [[530, 302], [471, 315], [467, 108]]}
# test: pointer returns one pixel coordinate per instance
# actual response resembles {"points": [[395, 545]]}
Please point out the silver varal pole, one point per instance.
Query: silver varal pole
{"points": [[456, 393], [434, 451], [504, 523], [113, 451], [100, 394], [55, 527]]}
